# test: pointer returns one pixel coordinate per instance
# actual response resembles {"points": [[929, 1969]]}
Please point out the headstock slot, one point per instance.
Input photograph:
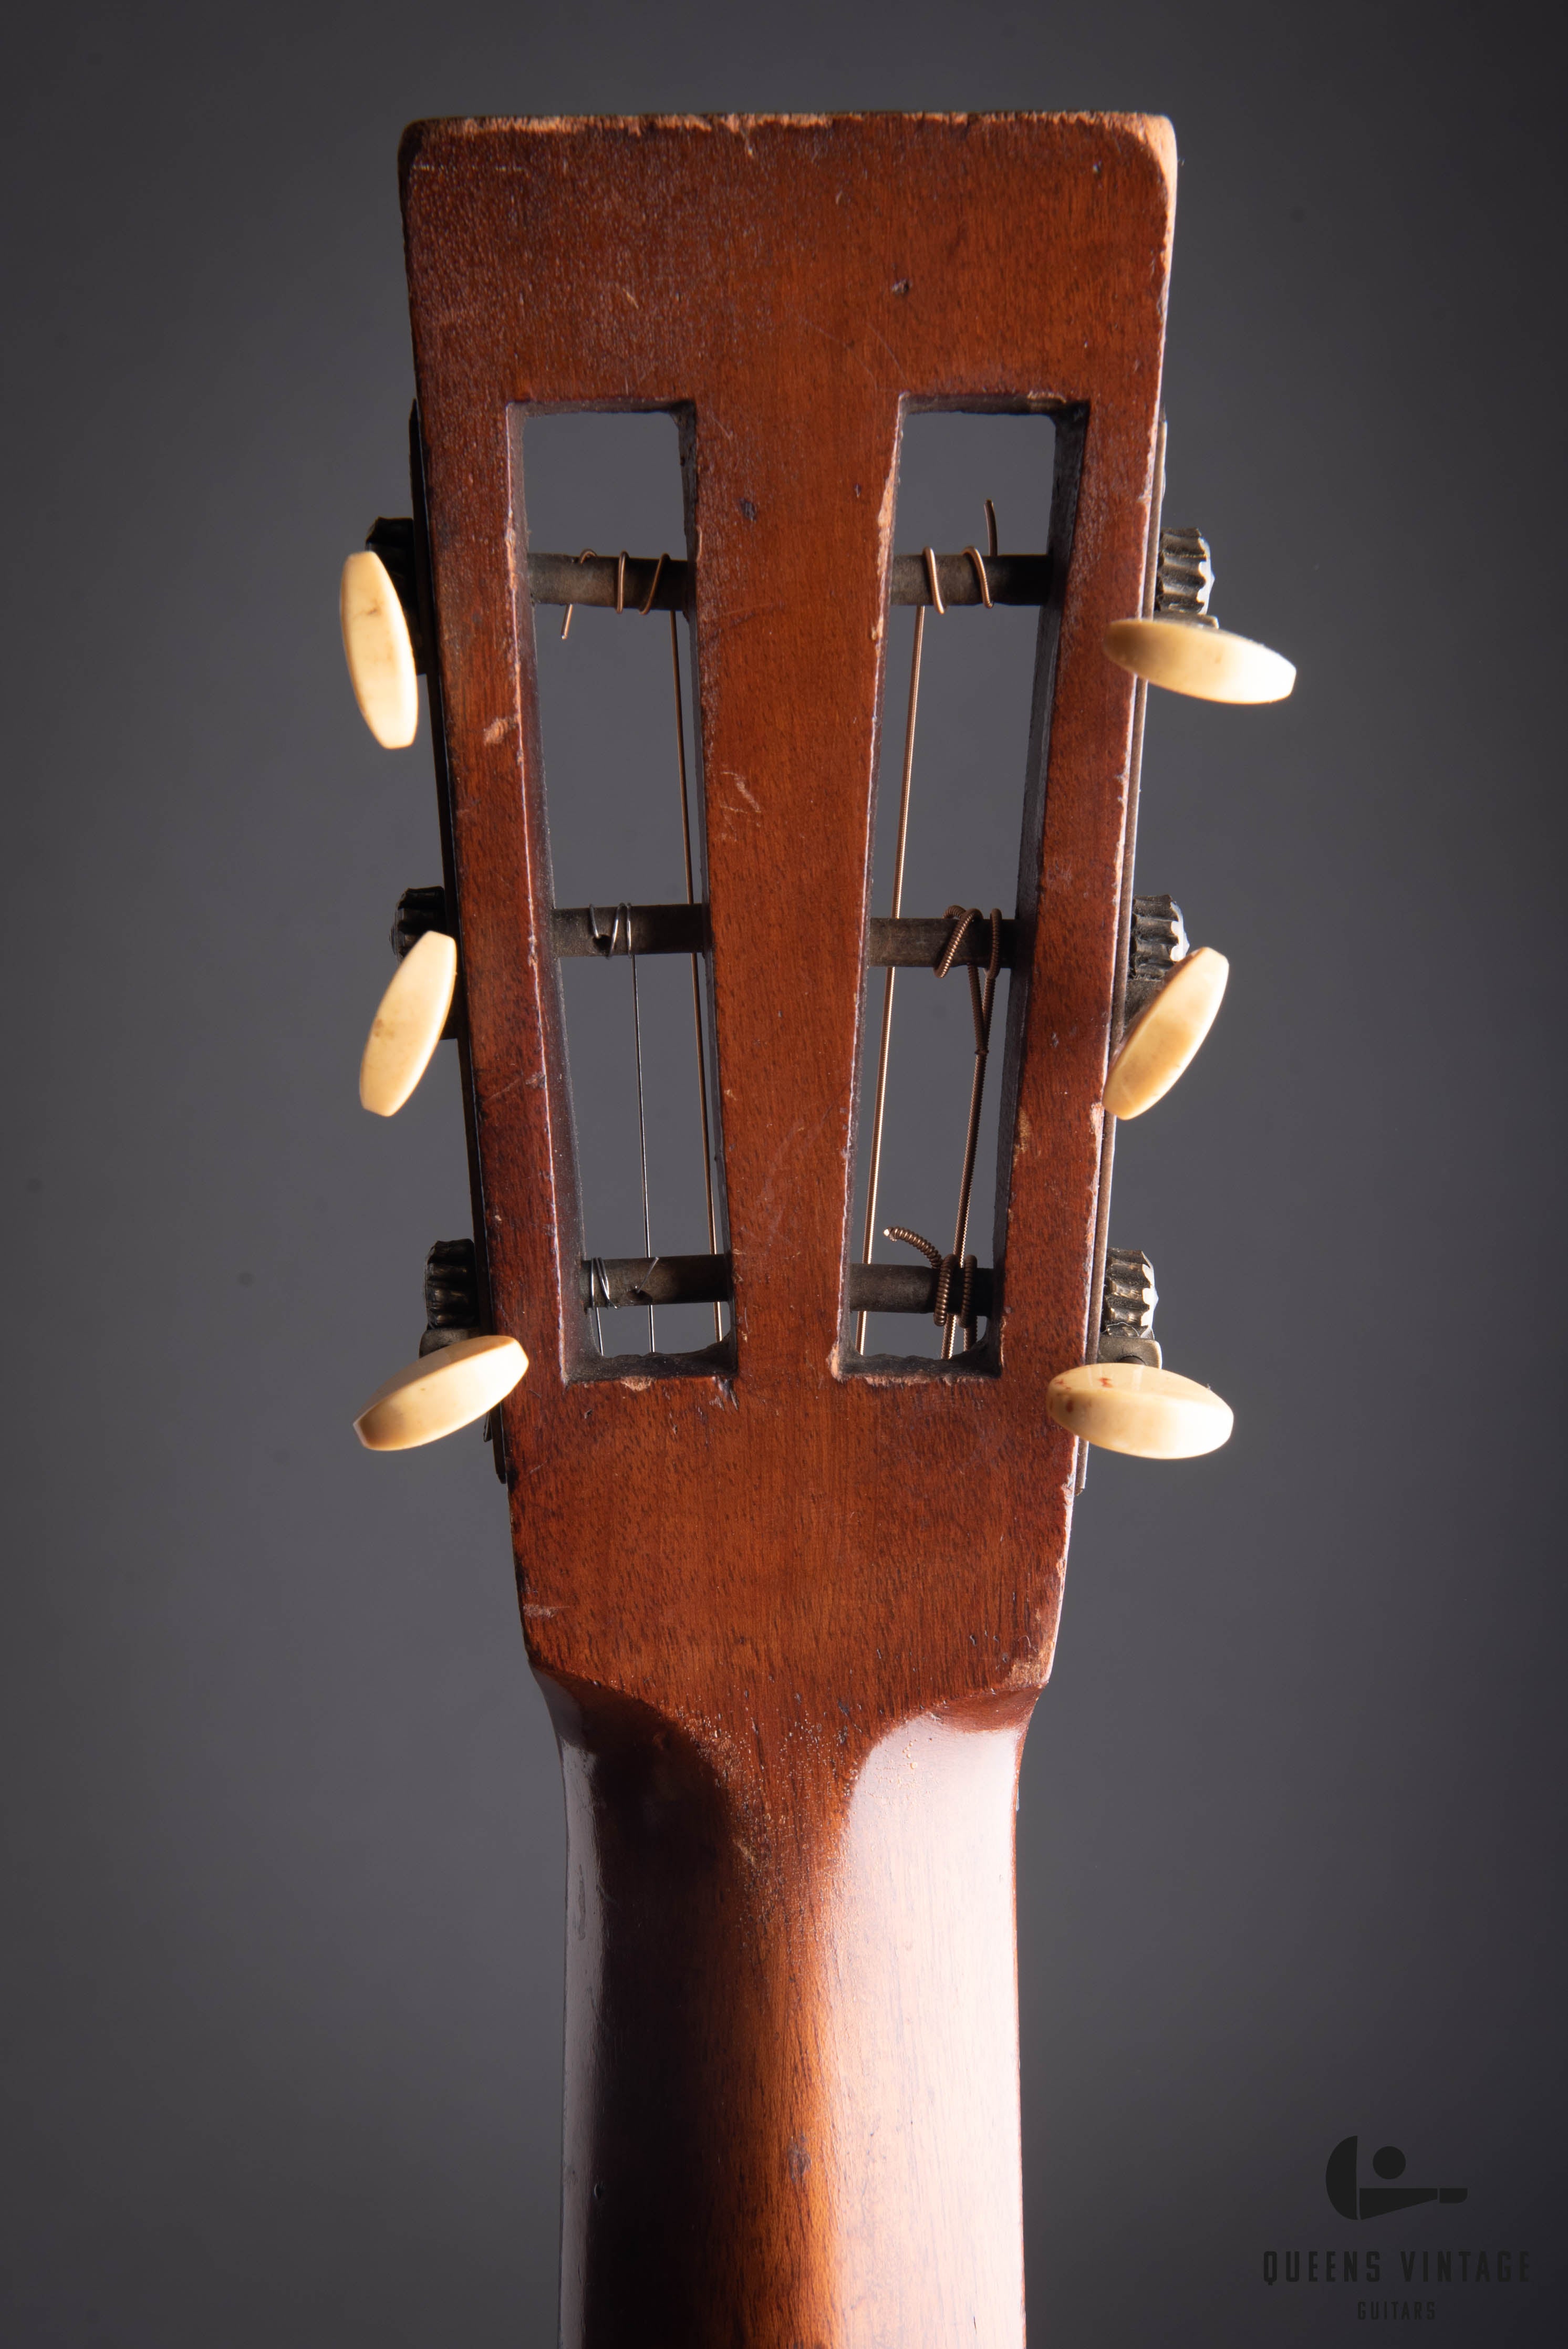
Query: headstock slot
{"points": [[986, 478], [622, 793]]}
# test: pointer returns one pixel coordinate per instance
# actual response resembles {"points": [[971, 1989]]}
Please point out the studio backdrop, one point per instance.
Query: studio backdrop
{"points": [[285, 1879]]}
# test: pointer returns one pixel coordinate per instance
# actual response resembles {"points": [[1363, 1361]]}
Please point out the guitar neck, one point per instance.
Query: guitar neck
{"points": [[791, 2034]]}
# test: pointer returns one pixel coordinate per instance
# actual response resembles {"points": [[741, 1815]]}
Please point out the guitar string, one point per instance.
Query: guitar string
{"points": [[881, 1097], [981, 1006], [566, 630], [879, 1100], [641, 1117], [607, 943], [884, 1049], [623, 919], [696, 960]]}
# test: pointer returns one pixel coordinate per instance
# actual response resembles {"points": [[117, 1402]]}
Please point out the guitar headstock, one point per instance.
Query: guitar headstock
{"points": [[804, 289], [775, 1545]]}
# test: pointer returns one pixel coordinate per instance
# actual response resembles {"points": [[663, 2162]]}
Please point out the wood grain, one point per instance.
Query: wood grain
{"points": [[791, 1616]]}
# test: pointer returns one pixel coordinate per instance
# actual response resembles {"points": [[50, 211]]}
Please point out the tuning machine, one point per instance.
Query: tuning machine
{"points": [[412, 1015], [460, 1374], [1181, 647], [1173, 992], [379, 607], [1126, 1400]]}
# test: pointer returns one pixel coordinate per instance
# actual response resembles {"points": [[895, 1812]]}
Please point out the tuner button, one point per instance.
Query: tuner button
{"points": [[408, 1024], [379, 653], [440, 1393], [1192, 656], [1167, 1033], [1130, 1407]]}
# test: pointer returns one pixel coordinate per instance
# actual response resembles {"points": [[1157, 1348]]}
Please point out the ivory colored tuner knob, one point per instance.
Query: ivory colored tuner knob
{"points": [[379, 651], [440, 1393], [1166, 1034], [408, 1023], [1132, 1407], [1195, 657]]}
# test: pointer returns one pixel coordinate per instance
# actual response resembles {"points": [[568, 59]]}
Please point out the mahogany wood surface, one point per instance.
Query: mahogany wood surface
{"points": [[791, 1615]]}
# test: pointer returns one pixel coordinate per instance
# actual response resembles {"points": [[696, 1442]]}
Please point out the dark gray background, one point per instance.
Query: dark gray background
{"points": [[285, 1862]]}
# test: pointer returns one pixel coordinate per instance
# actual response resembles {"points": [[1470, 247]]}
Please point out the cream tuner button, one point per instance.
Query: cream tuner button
{"points": [[379, 652], [440, 1393], [1131, 1407], [408, 1024], [1167, 1033], [1195, 657]]}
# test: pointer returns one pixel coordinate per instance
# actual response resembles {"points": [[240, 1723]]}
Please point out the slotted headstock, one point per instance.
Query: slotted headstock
{"points": [[792, 1604], [789, 289]]}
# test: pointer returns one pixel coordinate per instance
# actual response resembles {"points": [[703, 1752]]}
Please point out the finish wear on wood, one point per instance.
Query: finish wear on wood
{"points": [[791, 1614]]}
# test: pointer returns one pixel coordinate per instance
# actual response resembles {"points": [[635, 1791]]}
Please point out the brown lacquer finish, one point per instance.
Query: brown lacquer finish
{"points": [[791, 1617]]}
